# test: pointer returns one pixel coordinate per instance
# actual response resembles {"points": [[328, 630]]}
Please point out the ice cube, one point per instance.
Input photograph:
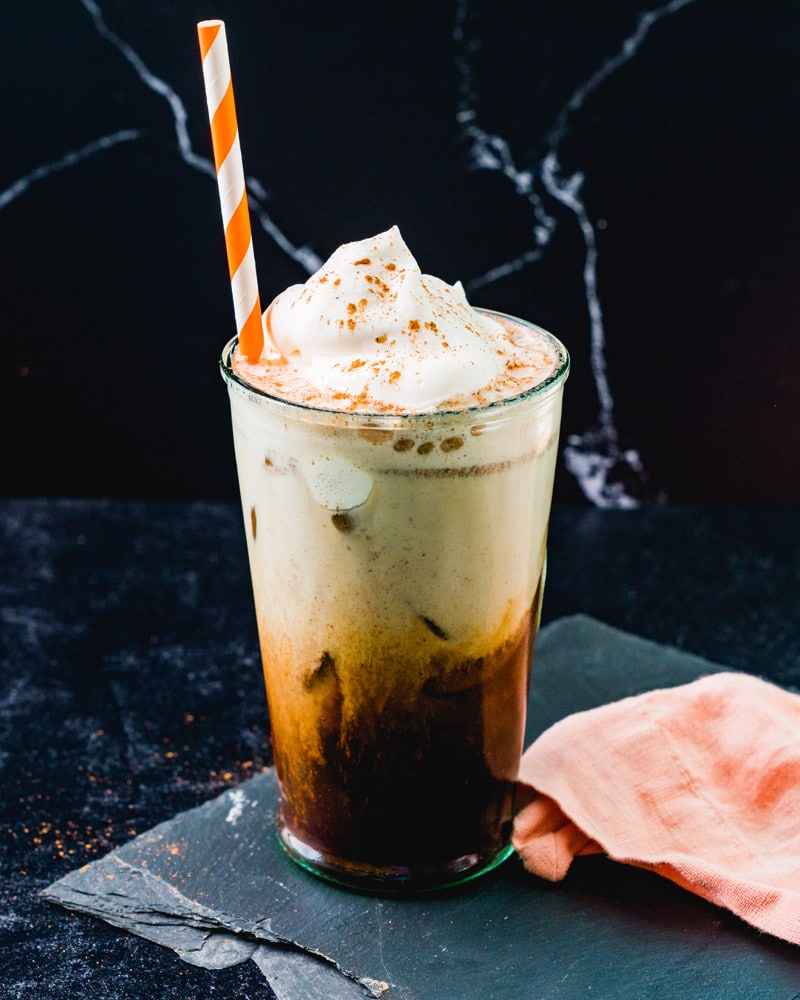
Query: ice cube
{"points": [[335, 483]]}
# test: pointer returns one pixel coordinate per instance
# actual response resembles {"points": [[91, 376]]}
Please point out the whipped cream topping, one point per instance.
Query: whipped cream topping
{"points": [[369, 332]]}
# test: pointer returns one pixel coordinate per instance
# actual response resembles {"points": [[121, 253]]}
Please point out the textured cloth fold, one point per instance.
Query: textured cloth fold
{"points": [[699, 783]]}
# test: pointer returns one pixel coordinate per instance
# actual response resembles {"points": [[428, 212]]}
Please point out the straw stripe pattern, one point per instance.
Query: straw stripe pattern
{"points": [[231, 184]]}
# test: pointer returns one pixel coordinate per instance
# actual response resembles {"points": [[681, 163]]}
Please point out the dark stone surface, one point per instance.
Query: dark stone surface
{"points": [[218, 868], [131, 691]]}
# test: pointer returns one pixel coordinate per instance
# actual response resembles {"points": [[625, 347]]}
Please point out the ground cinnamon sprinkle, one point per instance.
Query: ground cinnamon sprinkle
{"points": [[362, 399], [377, 281]]}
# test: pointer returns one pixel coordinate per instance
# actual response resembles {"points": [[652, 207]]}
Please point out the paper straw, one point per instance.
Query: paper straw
{"points": [[230, 180]]}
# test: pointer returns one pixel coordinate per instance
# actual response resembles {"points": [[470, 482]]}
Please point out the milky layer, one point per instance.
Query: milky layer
{"points": [[370, 333], [361, 533]]}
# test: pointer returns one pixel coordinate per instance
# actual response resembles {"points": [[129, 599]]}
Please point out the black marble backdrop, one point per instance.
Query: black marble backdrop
{"points": [[624, 173]]}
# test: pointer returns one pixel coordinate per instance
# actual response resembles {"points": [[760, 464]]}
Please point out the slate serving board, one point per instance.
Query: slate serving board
{"points": [[214, 885]]}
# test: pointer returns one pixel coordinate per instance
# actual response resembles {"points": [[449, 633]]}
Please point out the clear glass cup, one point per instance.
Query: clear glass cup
{"points": [[397, 565]]}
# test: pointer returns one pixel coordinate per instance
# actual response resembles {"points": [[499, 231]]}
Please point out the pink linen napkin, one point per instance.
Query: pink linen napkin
{"points": [[700, 783]]}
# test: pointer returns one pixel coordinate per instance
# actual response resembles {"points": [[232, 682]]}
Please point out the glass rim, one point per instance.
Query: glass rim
{"points": [[541, 390]]}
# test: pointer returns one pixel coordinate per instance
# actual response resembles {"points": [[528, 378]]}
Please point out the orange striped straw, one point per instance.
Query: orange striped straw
{"points": [[230, 180]]}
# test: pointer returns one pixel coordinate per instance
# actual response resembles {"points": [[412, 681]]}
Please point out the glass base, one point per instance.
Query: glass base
{"points": [[392, 880]]}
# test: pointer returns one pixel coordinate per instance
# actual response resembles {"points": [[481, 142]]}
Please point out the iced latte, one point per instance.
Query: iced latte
{"points": [[396, 453]]}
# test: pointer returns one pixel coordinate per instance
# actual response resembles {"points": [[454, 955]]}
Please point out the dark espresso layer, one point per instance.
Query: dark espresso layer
{"points": [[419, 780]]}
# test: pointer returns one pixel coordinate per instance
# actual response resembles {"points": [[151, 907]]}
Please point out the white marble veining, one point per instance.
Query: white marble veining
{"points": [[257, 195], [594, 457], [71, 158]]}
